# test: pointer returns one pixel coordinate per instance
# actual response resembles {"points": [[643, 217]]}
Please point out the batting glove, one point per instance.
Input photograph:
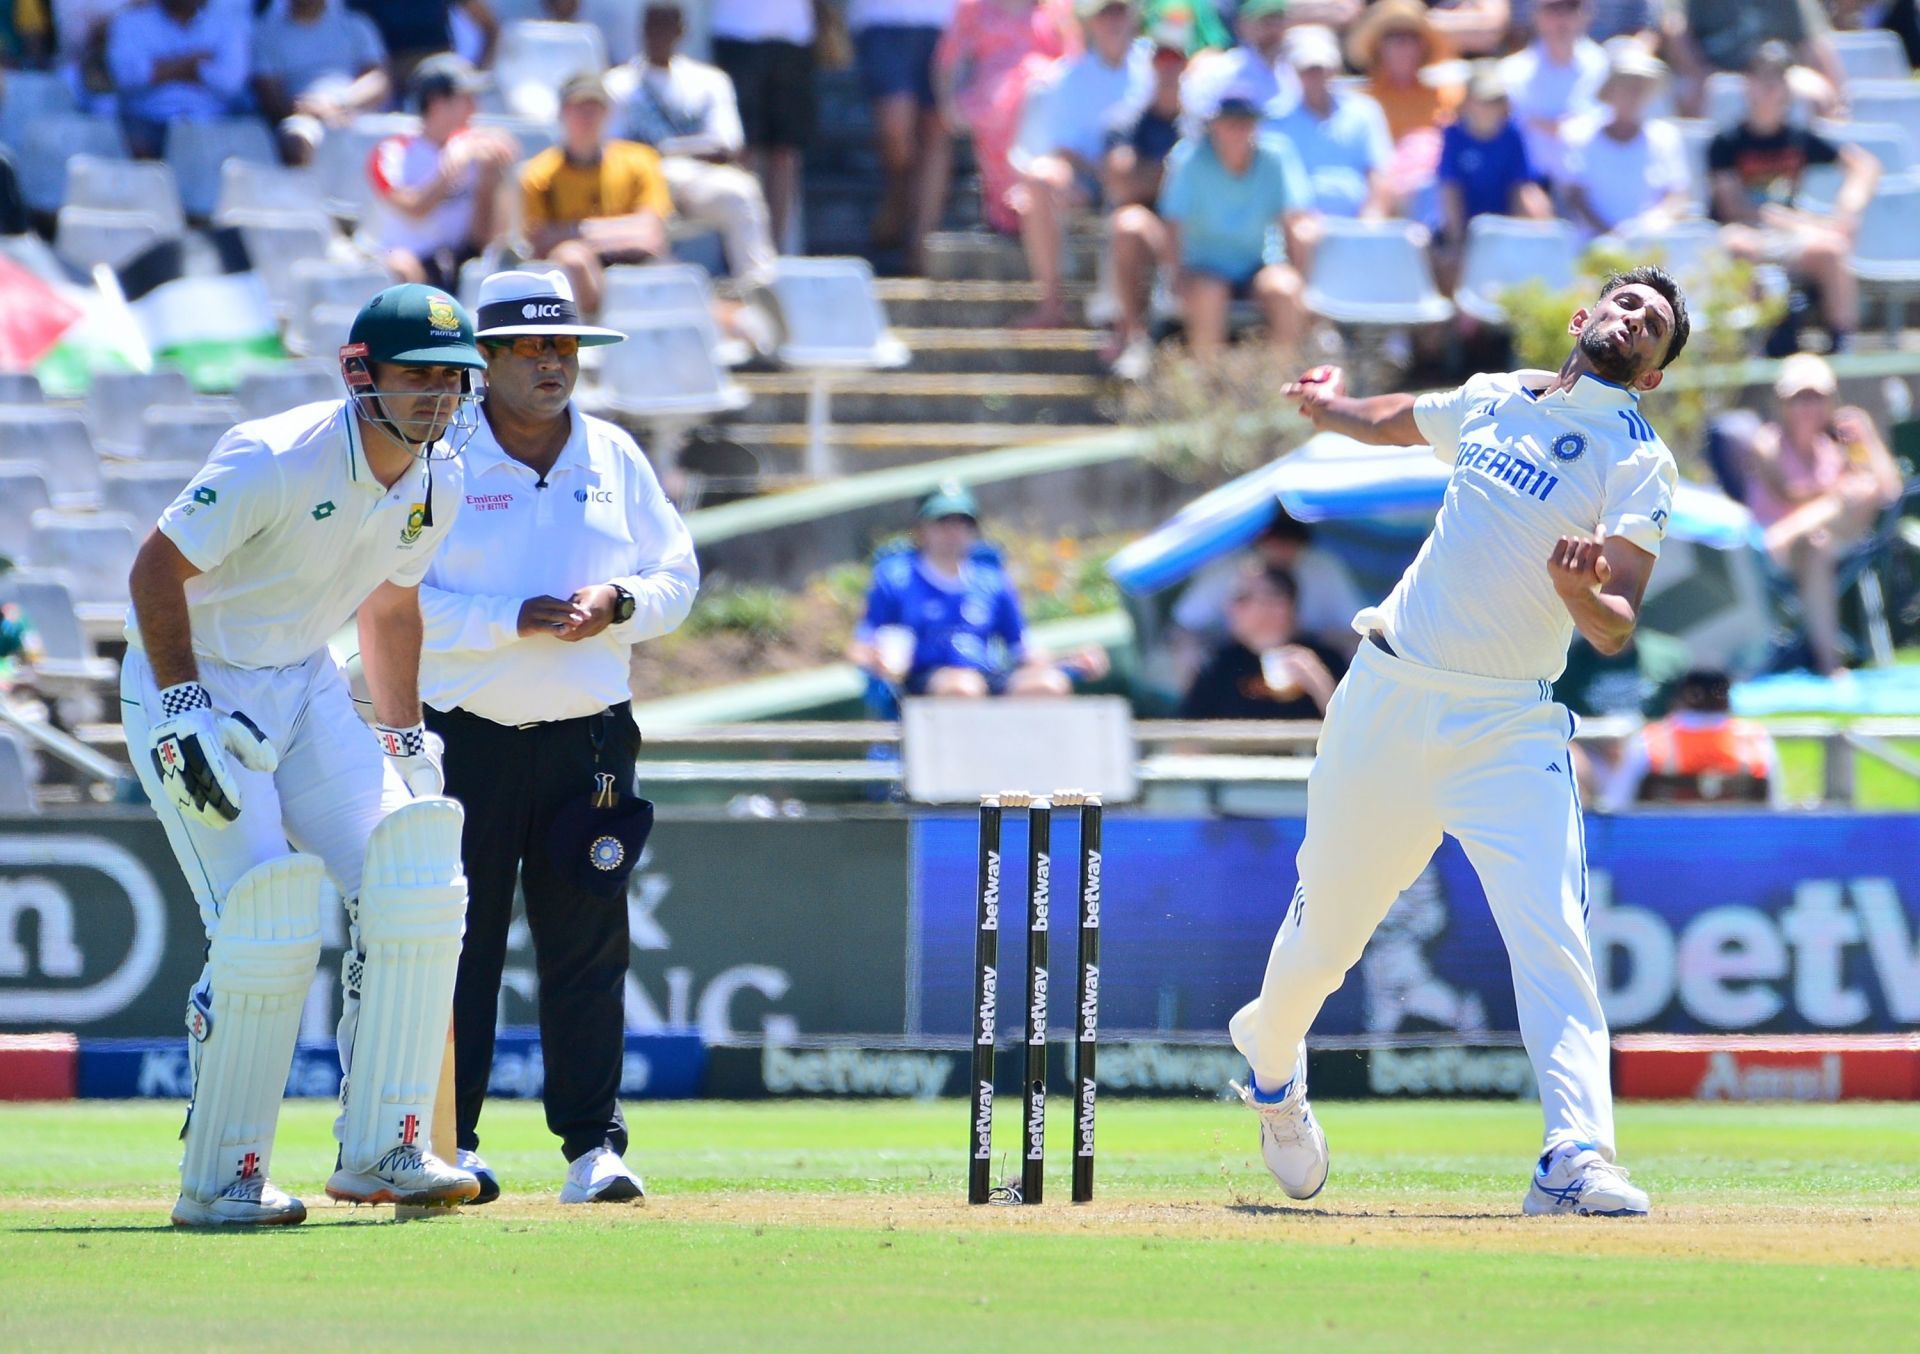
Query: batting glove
{"points": [[190, 749], [417, 756]]}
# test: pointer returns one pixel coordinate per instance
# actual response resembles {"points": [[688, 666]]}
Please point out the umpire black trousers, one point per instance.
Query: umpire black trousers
{"points": [[512, 781]]}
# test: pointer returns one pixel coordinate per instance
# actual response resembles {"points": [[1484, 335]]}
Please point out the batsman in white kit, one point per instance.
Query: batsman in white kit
{"points": [[277, 798], [1553, 517]]}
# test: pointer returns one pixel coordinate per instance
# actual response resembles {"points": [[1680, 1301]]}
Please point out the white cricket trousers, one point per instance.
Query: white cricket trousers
{"points": [[1409, 752]]}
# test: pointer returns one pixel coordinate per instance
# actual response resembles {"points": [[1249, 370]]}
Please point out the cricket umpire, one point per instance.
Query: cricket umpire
{"points": [[567, 554]]}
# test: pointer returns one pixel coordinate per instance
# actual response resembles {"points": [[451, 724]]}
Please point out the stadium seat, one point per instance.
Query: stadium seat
{"points": [[1696, 136], [20, 387], [1894, 102], [833, 316], [45, 596], [341, 162], [128, 186], [325, 328], [248, 186], [86, 236], [1870, 54], [1687, 249], [272, 390], [322, 282], [142, 492], [48, 142], [95, 552], [16, 776], [619, 25], [26, 97], [666, 369], [669, 289], [58, 441], [186, 432], [23, 492], [535, 57], [1374, 273], [533, 134], [118, 403], [1886, 252], [197, 150], [276, 240], [1820, 184], [1504, 251]]}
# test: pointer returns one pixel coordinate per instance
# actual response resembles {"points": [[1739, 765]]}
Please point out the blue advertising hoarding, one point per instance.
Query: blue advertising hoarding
{"points": [[1702, 922]]}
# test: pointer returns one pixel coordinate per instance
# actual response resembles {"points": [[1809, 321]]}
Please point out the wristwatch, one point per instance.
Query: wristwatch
{"points": [[623, 605]]}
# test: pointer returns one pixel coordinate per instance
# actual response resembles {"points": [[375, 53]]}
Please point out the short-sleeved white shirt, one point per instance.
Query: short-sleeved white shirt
{"points": [[291, 533], [1622, 179], [1527, 470], [409, 160]]}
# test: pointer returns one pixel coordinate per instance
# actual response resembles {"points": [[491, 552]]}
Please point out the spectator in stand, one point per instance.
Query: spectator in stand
{"points": [[1230, 192], [437, 191], [316, 64], [943, 618], [1254, 65], [414, 30], [1266, 669], [588, 202], [80, 30], [1556, 77], [1756, 170], [1623, 169], [1608, 19], [1703, 36], [1084, 98], [766, 49], [1134, 172], [1340, 136], [1326, 597], [685, 110], [24, 33], [895, 41], [1818, 479], [1484, 171], [1201, 23], [992, 52], [175, 61], [1407, 62], [1698, 754]]}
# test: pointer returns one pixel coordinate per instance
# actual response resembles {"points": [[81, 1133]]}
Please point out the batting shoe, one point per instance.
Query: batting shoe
{"points": [[251, 1202], [1573, 1179], [489, 1182], [1291, 1142], [601, 1177], [405, 1175]]}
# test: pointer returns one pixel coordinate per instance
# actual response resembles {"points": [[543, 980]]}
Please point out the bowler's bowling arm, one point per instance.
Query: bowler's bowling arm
{"points": [[1378, 420]]}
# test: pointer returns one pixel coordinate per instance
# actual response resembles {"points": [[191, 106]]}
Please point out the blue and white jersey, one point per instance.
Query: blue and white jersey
{"points": [[1527, 470], [972, 621]]}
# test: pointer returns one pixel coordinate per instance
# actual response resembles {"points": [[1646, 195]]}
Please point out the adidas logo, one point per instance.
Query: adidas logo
{"points": [[1555, 766]]}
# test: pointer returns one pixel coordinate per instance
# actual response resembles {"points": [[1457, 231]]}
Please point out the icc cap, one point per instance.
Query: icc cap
{"points": [[414, 325]]}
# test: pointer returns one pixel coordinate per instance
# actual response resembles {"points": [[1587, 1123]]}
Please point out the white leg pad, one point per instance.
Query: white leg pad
{"points": [[412, 914], [243, 1019]]}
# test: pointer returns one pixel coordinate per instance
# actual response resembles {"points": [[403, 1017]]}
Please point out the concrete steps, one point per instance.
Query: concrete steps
{"points": [[917, 302], [932, 397], [781, 447], [1048, 352], [982, 255]]}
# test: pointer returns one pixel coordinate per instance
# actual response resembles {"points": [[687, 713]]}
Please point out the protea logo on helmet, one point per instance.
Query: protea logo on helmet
{"points": [[442, 318], [416, 522]]}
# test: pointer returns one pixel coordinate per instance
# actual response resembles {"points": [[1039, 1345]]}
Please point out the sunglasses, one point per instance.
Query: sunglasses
{"points": [[533, 345]]}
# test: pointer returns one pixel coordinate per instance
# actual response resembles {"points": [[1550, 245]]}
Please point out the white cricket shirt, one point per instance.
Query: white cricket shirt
{"points": [[1527, 470], [291, 533], [601, 518]]}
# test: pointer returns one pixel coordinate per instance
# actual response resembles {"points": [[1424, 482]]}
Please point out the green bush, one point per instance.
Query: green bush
{"points": [[765, 615]]}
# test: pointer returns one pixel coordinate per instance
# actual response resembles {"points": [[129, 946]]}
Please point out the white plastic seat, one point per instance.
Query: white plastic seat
{"points": [[321, 282], [48, 142], [833, 317], [23, 492], [197, 150], [535, 57], [1870, 54], [1504, 251], [273, 390], [278, 240], [619, 25], [124, 185], [1887, 249], [46, 597], [1894, 102], [249, 186], [58, 441], [27, 96], [1686, 249], [95, 553], [341, 162], [16, 776], [142, 492], [669, 289], [21, 387], [1696, 139], [118, 402], [186, 432], [324, 329], [1374, 273], [86, 236], [666, 369]]}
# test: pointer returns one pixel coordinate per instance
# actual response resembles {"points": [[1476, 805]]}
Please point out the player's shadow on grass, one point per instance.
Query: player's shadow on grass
{"points": [[1253, 1210]]}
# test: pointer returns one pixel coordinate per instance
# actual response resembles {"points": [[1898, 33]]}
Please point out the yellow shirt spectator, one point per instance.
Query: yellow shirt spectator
{"points": [[627, 179]]}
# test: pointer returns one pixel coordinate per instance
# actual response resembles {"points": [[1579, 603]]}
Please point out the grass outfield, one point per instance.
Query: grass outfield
{"points": [[835, 1226]]}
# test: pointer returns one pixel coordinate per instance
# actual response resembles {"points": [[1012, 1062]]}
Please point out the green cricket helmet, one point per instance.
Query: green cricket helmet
{"points": [[412, 325]]}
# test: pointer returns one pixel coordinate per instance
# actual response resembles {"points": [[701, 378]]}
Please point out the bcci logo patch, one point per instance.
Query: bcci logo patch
{"points": [[1569, 447], [442, 317], [416, 522], [607, 854]]}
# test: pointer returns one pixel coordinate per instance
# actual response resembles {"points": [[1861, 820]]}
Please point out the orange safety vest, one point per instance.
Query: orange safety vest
{"points": [[1727, 761]]}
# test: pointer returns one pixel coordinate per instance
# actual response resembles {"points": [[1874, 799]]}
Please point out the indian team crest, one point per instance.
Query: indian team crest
{"points": [[1569, 447], [416, 523], [606, 853], [441, 315]]}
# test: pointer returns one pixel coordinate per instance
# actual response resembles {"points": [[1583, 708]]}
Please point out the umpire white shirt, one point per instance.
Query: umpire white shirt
{"points": [[291, 533], [601, 518], [1527, 470]]}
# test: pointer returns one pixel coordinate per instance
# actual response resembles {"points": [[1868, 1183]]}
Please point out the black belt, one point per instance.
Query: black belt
{"points": [[1379, 641], [458, 715]]}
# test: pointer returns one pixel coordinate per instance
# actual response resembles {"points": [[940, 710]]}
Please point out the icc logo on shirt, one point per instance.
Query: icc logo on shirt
{"points": [[593, 495]]}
